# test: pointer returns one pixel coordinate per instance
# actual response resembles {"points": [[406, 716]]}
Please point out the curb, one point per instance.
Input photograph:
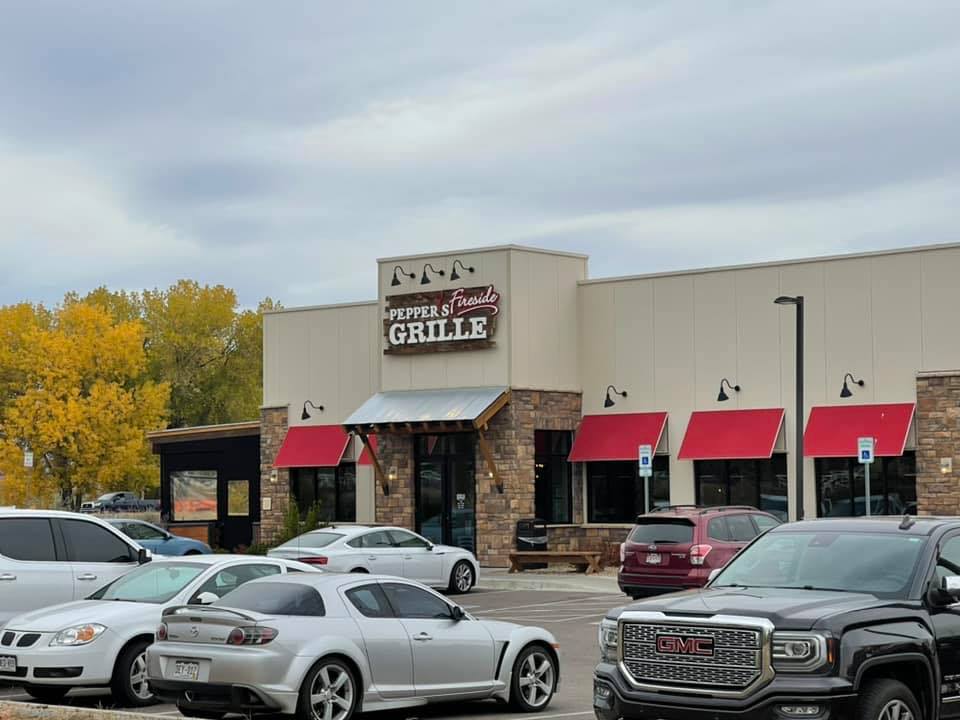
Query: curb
{"points": [[600, 585]]}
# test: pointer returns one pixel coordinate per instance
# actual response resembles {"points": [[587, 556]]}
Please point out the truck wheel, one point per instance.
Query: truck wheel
{"points": [[887, 700]]}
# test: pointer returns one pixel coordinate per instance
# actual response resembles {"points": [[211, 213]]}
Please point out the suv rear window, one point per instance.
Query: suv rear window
{"points": [[662, 532]]}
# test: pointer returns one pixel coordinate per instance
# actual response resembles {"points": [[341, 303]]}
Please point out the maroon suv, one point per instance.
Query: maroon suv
{"points": [[676, 547]]}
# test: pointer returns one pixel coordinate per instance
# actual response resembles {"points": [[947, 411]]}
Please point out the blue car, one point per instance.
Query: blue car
{"points": [[159, 541]]}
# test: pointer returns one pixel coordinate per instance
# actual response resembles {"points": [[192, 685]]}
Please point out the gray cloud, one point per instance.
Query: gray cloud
{"points": [[281, 148]]}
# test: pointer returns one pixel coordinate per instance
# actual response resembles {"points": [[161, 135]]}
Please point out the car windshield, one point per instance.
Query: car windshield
{"points": [[662, 531], [881, 564], [313, 539], [156, 582]]}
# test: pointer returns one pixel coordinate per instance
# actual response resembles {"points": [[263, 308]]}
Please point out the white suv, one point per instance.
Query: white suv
{"points": [[49, 557]]}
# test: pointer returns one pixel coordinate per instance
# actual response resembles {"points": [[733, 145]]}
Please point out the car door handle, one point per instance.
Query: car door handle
{"points": [[371, 557], [8, 577], [87, 576], [408, 557], [422, 637]]}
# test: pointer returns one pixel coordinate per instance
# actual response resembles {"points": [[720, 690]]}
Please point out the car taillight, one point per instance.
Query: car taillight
{"points": [[316, 560], [698, 553], [623, 552], [251, 636], [162, 632]]}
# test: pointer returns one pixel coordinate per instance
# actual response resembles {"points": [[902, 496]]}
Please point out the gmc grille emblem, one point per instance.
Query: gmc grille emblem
{"points": [[685, 645]]}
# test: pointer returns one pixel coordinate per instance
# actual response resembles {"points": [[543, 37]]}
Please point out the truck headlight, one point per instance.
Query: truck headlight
{"points": [[801, 651], [77, 635], [608, 637]]}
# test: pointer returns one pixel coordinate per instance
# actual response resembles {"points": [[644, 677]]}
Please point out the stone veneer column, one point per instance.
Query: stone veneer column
{"points": [[395, 451], [511, 436], [273, 429], [938, 436]]}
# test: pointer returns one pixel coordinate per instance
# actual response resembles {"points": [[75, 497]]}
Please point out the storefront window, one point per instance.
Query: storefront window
{"points": [[238, 498], [553, 474], [193, 494], [615, 490], [758, 483], [332, 490], [841, 486]]}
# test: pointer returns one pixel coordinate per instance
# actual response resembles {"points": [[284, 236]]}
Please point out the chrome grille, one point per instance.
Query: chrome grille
{"points": [[736, 662]]}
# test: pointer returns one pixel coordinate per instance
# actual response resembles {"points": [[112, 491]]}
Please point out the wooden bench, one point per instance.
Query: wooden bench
{"points": [[588, 561]]}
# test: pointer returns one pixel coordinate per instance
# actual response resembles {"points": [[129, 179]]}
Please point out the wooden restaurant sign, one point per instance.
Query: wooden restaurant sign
{"points": [[441, 320]]}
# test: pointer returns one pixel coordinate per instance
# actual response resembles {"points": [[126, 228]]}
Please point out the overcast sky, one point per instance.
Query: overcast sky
{"points": [[279, 147]]}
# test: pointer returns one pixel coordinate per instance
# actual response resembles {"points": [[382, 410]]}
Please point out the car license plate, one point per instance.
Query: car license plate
{"points": [[186, 670], [8, 663], [653, 558]]}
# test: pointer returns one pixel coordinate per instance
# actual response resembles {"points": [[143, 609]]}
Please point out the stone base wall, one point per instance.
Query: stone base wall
{"points": [[938, 438], [274, 484], [601, 538]]}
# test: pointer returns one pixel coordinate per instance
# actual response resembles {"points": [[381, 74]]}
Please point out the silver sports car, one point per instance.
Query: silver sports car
{"points": [[325, 646]]}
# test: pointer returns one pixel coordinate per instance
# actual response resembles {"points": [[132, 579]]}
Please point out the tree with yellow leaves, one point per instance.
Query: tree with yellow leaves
{"points": [[73, 391]]}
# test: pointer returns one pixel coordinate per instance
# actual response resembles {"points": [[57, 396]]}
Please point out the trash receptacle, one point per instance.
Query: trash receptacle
{"points": [[532, 535]]}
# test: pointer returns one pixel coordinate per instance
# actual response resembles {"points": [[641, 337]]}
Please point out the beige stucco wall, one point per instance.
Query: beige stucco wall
{"points": [[668, 340]]}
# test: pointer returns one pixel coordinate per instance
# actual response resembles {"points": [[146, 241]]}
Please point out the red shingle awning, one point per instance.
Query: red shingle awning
{"points": [[731, 434], [365, 458], [833, 431], [616, 436], [312, 446]]}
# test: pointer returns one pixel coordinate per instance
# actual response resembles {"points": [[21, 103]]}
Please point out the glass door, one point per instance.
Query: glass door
{"points": [[446, 488]]}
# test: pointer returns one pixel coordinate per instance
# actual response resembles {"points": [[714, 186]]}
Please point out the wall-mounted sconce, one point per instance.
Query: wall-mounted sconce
{"points": [[454, 275], [397, 272], [846, 392], [305, 415], [609, 402], [273, 475], [391, 478], [946, 466], [722, 396], [425, 279], [499, 485]]}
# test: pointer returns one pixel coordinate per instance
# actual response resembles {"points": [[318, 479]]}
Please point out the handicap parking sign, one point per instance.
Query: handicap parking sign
{"points": [[865, 449]]}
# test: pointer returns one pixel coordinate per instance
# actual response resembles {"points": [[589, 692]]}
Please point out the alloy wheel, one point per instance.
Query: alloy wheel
{"points": [[463, 578], [537, 679], [331, 695], [896, 710], [138, 677]]}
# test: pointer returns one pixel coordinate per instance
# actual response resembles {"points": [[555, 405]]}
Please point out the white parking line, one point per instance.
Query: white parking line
{"points": [[558, 715], [577, 601]]}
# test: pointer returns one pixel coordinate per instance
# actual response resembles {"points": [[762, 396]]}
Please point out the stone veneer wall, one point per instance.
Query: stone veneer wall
{"points": [[397, 508], [938, 437], [273, 429]]}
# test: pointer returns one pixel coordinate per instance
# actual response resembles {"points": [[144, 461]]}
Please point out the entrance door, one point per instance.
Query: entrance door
{"points": [[446, 488]]}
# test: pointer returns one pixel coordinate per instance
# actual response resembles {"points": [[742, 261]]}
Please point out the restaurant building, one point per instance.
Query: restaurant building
{"points": [[481, 387]]}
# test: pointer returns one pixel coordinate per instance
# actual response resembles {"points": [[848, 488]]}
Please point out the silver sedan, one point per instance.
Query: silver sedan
{"points": [[323, 647]]}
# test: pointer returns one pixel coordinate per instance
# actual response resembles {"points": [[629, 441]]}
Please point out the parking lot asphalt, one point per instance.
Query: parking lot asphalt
{"points": [[572, 617]]}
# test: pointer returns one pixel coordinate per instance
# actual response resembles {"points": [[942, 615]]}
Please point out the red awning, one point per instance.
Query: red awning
{"points": [[365, 458], [731, 434], [312, 446], [617, 436], [833, 431]]}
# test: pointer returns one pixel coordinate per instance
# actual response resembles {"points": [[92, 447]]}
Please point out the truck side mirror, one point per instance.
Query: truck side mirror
{"points": [[950, 587]]}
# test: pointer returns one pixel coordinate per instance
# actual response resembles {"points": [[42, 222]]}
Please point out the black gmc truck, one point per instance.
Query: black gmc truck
{"points": [[852, 619]]}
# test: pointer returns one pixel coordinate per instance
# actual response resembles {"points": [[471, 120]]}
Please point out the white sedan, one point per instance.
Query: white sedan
{"points": [[103, 641], [386, 551]]}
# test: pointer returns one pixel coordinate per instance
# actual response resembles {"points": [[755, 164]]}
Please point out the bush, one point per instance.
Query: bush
{"points": [[292, 527]]}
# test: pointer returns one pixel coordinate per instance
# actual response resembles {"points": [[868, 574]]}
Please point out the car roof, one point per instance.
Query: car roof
{"points": [[691, 511], [47, 514], [910, 524], [352, 530], [214, 558], [331, 581]]}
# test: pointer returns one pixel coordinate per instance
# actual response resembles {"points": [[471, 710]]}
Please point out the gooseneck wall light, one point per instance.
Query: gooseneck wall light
{"points": [[722, 395], [397, 272], [425, 278], [305, 415], [454, 275], [846, 391], [609, 402]]}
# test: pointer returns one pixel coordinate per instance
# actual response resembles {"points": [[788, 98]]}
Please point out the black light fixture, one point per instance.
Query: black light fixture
{"points": [[609, 402], [846, 392], [722, 396], [390, 478], [797, 301], [454, 275], [401, 271], [305, 415], [425, 279]]}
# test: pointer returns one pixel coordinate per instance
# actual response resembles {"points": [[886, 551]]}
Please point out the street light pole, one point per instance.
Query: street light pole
{"points": [[799, 415]]}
